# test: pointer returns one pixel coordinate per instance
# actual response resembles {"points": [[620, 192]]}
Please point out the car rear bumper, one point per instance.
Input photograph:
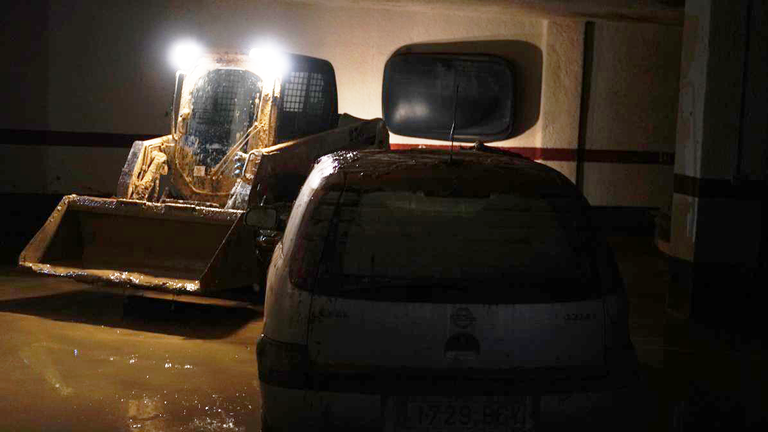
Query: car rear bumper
{"points": [[297, 409], [412, 381], [312, 396]]}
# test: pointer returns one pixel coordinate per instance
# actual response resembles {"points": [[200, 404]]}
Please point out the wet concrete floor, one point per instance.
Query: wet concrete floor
{"points": [[79, 359]]}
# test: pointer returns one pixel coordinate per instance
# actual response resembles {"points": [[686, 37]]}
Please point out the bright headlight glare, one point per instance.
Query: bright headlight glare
{"points": [[269, 61], [185, 54]]}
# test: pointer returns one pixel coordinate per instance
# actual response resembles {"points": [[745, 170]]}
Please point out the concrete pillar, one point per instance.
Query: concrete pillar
{"points": [[717, 241]]}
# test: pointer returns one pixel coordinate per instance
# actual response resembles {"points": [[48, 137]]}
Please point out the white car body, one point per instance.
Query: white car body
{"points": [[384, 323]]}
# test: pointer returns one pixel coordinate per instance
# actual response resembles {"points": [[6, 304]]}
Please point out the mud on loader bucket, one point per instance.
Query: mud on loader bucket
{"points": [[179, 249]]}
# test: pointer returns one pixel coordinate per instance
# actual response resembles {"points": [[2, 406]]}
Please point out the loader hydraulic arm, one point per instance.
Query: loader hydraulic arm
{"points": [[146, 162], [279, 171]]}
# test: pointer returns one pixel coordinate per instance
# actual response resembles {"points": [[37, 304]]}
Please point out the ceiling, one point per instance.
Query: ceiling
{"points": [[658, 11]]}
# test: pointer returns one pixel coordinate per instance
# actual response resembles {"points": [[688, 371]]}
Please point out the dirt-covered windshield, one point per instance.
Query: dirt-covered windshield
{"points": [[224, 103], [407, 238]]}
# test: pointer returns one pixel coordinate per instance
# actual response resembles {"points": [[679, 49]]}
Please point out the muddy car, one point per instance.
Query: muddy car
{"points": [[417, 290]]}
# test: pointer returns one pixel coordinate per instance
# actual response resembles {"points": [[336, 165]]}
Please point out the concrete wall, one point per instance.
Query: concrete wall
{"points": [[102, 67]]}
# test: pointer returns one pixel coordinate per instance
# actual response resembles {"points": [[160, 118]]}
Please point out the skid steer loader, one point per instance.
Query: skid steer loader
{"points": [[239, 138]]}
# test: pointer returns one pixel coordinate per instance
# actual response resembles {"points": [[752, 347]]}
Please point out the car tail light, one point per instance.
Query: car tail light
{"points": [[303, 264], [307, 251], [282, 364], [619, 353], [617, 325]]}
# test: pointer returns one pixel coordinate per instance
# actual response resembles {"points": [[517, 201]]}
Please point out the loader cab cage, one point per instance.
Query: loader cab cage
{"points": [[308, 102], [224, 103]]}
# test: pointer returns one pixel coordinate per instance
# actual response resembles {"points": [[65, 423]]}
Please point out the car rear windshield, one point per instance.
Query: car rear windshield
{"points": [[407, 246]]}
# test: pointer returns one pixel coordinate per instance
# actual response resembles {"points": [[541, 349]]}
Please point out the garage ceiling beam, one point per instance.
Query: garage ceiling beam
{"points": [[668, 12]]}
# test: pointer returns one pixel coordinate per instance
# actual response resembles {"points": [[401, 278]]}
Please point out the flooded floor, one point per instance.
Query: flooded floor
{"points": [[78, 359], [83, 360]]}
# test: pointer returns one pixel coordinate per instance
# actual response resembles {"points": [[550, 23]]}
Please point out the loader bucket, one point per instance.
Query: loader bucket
{"points": [[175, 248]]}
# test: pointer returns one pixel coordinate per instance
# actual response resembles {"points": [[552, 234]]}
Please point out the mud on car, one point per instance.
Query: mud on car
{"points": [[416, 291]]}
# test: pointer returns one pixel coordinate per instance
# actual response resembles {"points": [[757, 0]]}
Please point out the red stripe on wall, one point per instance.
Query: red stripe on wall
{"points": [[99, 139], [569, 155]]}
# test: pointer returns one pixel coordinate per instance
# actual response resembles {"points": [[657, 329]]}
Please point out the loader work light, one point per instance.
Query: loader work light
{"points": [[185, 54], [269, 62]]}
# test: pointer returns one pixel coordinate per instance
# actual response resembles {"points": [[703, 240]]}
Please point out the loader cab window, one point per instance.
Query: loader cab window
{"points": [[307, 104], [224, 103]]}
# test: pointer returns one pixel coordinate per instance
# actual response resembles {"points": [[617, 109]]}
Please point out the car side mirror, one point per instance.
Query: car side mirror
{"points": [[261, 217]]}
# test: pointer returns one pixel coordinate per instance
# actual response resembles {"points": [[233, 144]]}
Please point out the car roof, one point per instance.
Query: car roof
{"points": [[436, 172]]}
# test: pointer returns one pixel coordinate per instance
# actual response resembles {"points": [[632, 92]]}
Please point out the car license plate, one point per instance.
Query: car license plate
{"points": [[477, 413]]}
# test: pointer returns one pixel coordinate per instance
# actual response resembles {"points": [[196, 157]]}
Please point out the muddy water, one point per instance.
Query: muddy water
{"points": [[72, 360]]}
